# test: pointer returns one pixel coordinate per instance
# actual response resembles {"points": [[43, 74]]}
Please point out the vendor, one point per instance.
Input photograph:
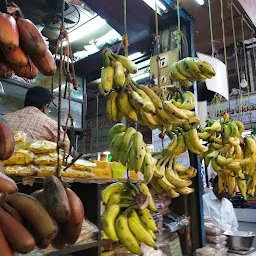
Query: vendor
{"points": [[219, 208], [33, 119]]}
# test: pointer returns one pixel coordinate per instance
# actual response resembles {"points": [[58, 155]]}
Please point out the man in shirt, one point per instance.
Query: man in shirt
{"points": [[219, 208], [33, 119]]}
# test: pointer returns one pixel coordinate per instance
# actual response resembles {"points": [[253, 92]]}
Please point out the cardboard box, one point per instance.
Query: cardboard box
{"points": [[102, 173]]}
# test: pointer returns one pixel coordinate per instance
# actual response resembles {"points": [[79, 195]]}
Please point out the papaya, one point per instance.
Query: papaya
{"points": [[17, 236], [72, 228], [9, 36], [5, 70], [45, 65], [5, 249], [56, 199], [34, 214], [7, 142], [29, 71], [7, 185], [31, 40], [17, 57]]}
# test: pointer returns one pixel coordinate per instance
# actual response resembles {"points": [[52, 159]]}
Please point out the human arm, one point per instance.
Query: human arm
{"points": [[206, 209], [234, 221]]}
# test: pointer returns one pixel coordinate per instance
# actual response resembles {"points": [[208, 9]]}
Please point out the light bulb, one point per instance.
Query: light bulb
{"points": [[201, 2], [243, 81]]}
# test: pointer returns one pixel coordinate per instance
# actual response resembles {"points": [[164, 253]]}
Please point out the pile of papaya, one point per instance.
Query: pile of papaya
{"points": [[23, 50]]}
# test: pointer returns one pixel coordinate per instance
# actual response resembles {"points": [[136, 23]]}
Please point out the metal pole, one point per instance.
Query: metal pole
{"points": [[199, 191], [249, 58]]}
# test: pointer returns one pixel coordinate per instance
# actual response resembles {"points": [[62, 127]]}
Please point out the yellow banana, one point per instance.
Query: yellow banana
{"points": [[156, 186], [176, 112], [172, 193], [117, 187], [186, 83], [175, 74], [242, 187], [152, 95], [147, 219], [165, 184], [115, 129], [189, 101], [205, 67], [192, 66], [135, 99], [148, 168], [108, 223], [109, 106], [125, 235], [175, 180], [204, 135], [107, 76], [183, 69], [140, 232], [125, 106], [185, 190], [231, 184], [221, 182], [119, 76]]}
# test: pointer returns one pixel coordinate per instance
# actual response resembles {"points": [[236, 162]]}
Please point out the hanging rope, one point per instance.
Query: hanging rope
{"points": [[253, 49], [246, 70], [125, 36], [58, 172], [179, 28], [211, 26], [237, 61], [97, 119], [224, 44]]}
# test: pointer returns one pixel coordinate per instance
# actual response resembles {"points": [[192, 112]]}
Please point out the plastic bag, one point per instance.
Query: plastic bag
{"points": [[205, 251], [19, 137], [217, 246], [173, 223], [20, 170], [216, 239], [20, 157], [80, 164], [44, 171], [39, 146], [46, 159], [211, 229], [222, 252], [72, 173]]}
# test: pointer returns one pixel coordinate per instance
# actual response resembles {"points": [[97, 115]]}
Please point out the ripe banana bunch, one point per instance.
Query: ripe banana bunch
{"points": [[127, 217], [233, 158], [115, 68], [169, 176], [191, 69]]}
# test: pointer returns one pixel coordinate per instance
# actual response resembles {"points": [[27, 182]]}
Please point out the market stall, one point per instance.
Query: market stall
{"points": [[135, 185]]}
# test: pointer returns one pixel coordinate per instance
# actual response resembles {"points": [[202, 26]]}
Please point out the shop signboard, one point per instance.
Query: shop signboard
{"points": [[96, 140], [236, 111], [158, 146], [250, 8]]}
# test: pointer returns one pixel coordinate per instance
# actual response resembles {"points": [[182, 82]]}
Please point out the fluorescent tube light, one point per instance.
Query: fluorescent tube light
{"points": [[160, 5], [201, 2], [85, 29], [135, 55]]}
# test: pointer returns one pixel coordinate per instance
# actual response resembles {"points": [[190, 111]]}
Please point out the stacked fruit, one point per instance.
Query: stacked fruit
{"points": [[161, 169], [24, 223], [50, 216], [232, 157], [23, 50], [191, 69], [65, 207], [127, 217]]}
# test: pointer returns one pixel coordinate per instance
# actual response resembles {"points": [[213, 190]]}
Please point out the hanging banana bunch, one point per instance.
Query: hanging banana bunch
{"points": [[127, 216], [233, 158], [191, 69]]}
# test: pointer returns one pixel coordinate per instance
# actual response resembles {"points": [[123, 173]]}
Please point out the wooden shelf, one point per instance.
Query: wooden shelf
{"points": [[32, 179], [81, 247], [74, 248]]}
